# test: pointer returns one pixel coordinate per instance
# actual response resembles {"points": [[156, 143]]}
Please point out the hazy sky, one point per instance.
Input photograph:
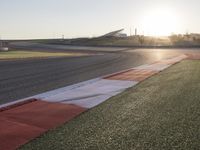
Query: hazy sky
{"points": [[80, 18]]}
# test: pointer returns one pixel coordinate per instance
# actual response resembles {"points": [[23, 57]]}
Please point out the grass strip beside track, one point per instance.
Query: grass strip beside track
{"points": [[160, 113], [28, 54]]}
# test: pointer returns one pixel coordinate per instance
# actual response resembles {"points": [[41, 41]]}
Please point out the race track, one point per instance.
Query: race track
{"points": [[24, 78]]}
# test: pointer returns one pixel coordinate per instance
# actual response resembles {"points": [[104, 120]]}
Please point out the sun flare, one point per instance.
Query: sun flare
{"points": [[160, 22]]}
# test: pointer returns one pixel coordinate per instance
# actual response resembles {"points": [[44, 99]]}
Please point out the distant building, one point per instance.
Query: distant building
{"points": [[3, 46], [117, 33]]}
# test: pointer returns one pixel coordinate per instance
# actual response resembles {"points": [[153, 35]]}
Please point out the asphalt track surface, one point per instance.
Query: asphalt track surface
{"points": [[24, 78]]}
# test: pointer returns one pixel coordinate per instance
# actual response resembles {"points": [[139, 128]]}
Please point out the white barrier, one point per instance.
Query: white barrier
{"points": [[4, 49]]}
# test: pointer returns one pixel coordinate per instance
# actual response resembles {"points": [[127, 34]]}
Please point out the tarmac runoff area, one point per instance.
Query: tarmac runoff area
{"points": [[27, 119]]}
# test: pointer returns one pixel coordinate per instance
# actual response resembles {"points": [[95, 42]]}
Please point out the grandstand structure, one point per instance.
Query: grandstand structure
{"points": [[117, 33]]}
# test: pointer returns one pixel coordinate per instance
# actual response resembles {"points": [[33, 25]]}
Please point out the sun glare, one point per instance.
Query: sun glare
{"points": [[160, 22]]}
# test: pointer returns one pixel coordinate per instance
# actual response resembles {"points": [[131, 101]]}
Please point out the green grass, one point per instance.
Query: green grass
{"points": [[29, 54], [160, 113]]}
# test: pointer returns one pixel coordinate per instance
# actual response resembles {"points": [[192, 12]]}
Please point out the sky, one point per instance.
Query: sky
{"points": [[28, 19]]}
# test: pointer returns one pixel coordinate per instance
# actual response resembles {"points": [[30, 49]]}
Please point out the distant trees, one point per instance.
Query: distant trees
{"points": [[185, 40], [141, 39], [176, 38]]}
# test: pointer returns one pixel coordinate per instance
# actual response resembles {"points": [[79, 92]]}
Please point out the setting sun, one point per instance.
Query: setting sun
{"points": [[160, 22]]}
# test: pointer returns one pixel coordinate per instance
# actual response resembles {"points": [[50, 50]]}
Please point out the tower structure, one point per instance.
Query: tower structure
{"points": [[135, 31]]}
